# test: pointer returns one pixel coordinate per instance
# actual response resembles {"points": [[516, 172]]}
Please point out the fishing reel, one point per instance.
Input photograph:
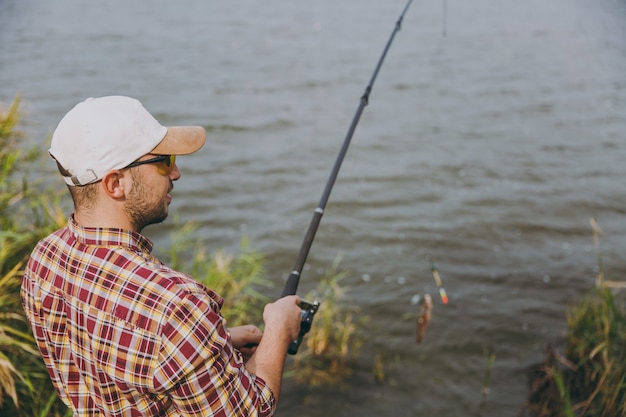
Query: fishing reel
{"points": [[306, 319]]}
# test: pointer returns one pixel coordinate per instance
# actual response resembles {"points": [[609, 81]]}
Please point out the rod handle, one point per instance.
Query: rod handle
{"points": [[291, 286]]}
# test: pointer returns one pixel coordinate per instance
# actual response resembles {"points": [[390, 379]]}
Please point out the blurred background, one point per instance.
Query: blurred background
{"points": [[494, 132]]}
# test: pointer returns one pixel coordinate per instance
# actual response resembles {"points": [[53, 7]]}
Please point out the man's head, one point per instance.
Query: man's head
{"points": [[112, 147]]}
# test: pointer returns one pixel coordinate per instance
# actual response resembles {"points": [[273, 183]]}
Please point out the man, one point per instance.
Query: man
{"points": [[121, 333]]}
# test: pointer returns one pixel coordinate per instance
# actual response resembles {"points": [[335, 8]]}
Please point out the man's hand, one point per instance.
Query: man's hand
{"points": [[283, 316], [245, 338], [282, 326]]}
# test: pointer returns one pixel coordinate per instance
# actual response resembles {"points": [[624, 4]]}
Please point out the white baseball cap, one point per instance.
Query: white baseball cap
{"points": [[106, 133]]}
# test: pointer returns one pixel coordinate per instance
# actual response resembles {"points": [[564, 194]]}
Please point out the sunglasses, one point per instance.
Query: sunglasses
{"points": [[165, 163]]}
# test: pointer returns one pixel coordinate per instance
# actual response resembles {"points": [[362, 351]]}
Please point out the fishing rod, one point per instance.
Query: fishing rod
{"points": [[291, 285]]}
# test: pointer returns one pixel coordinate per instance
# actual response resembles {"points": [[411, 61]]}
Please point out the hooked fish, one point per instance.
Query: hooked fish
{"points": [[424, 312]]}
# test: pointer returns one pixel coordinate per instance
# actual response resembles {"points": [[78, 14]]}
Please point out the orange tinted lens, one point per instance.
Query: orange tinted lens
{"points": [[166, 166]]}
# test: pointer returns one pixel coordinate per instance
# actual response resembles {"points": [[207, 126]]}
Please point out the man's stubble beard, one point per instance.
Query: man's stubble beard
{"points": [[140, 207]]}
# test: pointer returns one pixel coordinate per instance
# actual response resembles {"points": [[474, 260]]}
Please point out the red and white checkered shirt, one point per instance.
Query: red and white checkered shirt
{"points": [[124, 335]]}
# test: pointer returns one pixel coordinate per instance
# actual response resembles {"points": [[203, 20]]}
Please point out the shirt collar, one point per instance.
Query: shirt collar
{"points": [[105, 236]]}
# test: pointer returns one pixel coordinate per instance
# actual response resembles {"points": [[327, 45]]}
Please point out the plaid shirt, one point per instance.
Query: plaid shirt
{"points": [[124, 335]]}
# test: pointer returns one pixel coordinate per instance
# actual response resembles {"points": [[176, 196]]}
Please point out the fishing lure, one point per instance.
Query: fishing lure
{"points": [[442, 291]]}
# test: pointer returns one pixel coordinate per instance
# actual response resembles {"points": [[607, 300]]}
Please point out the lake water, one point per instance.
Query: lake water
{"points": [[488, 149]]}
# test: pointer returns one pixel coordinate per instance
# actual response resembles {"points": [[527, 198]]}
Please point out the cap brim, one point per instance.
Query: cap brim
{"points": [[181, 140]]}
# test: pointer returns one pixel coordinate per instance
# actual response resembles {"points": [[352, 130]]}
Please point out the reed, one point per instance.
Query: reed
{"points": [[27, 213], [486, 387], [589, 380], [596, 343], [335, 337]]}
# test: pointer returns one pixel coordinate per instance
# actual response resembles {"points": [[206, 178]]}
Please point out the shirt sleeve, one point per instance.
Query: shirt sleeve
{"points": [[201, 371]]}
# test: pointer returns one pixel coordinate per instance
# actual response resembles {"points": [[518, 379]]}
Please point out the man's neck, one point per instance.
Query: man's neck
{"points": [[102, 219]]}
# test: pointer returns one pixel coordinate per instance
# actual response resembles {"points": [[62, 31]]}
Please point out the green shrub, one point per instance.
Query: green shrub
{"points": [[596, 343], [335, 337], [26, 215], [590, 379]]}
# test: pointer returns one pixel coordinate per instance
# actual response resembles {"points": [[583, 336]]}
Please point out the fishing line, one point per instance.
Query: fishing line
{"points": [[291, 285], [444, 22]]}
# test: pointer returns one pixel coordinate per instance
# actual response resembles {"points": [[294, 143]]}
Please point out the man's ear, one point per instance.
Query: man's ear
{"points": [[116, 183]]}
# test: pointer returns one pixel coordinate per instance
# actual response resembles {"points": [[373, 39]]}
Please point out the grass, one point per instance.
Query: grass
{"points": [[589, 380], [596, 343], [27, 213], [335, 337], [486, 387]]}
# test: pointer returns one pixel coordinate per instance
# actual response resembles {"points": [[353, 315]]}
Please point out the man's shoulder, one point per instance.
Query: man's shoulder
{"points": [[52, 242], [173, 281], [151, 282]]}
